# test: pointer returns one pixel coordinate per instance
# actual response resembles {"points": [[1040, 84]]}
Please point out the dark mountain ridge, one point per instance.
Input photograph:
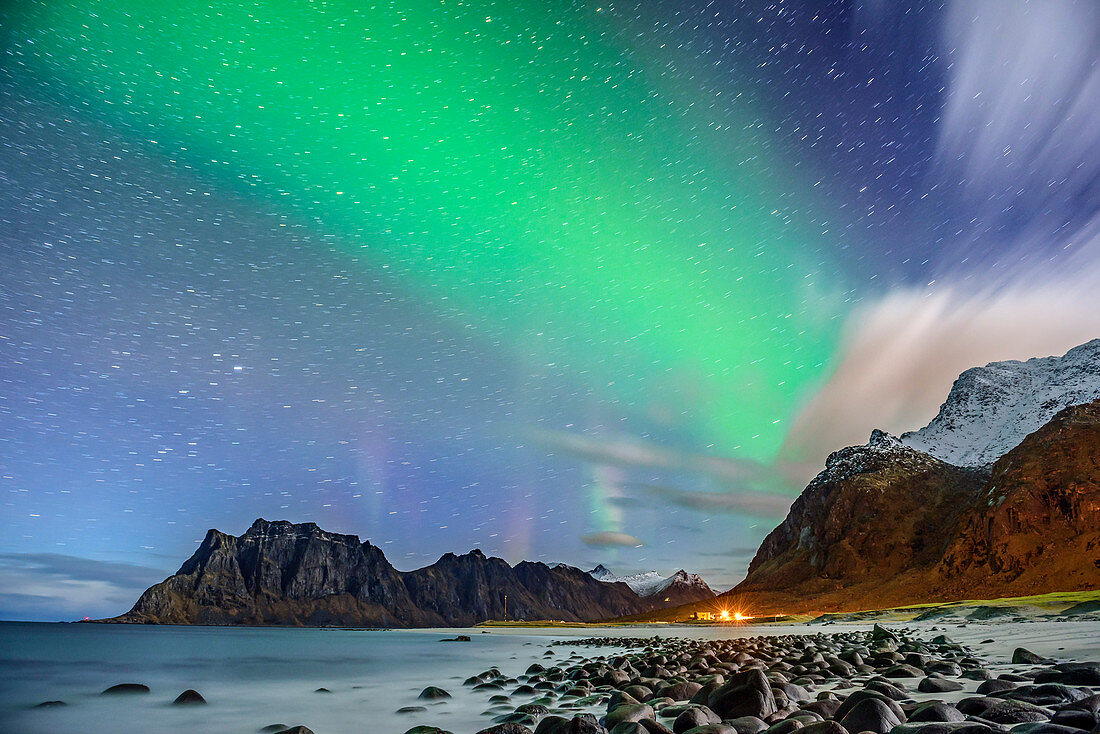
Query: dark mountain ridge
{"points": [[279, 573]]}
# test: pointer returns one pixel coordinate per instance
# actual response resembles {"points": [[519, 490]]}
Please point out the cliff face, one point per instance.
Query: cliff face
{"points": [[278, 573], [886, 524], [1034, 525]]}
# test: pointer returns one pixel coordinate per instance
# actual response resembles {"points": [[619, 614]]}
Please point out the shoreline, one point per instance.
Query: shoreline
{"points": [[505, 656]]}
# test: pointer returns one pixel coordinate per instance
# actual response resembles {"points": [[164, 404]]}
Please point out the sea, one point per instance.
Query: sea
{"points": [[253, 677]]}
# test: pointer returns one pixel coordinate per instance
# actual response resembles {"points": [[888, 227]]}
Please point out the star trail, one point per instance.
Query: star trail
{"points": [[501, 275]]}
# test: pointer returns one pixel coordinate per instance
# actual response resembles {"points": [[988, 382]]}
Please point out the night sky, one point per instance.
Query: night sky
{"points": [[566, 281]]}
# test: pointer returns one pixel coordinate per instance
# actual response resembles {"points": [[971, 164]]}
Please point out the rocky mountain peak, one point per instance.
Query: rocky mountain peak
{"points": [[677, 588], [882, 449], [991, 409]]}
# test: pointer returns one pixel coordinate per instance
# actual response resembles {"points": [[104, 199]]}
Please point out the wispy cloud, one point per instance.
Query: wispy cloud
{"points": [[760, 504], [901, 355], [1016, 147], [611, 540], [51, 586], [1021, 121], [630, 452]]}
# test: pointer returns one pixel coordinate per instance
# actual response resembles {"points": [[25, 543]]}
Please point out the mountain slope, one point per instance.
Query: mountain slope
{"points": [[887, 525], [278, 573], [1036, 521], [991, 409]]}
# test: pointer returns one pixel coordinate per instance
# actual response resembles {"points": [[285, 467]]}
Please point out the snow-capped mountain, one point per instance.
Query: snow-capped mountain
{"points": [[646, 583], [679, 588], [992, 409]]}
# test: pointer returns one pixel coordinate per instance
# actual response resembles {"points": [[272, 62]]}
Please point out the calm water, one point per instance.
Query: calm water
{"points": [[250, 677]]}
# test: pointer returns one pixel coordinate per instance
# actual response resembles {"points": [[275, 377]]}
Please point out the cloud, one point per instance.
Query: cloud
{"points": [[1021, 117], [630, 452], [901, 355], [51, 586], [1016, 147], [761, 504], [611, 539]]}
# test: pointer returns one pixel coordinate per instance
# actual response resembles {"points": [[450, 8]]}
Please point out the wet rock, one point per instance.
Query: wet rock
{"points": [[50, 704], [515, 717], [1023, 656], [746, 724], [903, 671], [1014, 712], [824, 708], [712, 729], [995, 685], [944, 667], [894, 691], [694, 716], [322, 690], [628, 727], [628, 712], [505, 729], [1044, 727], [856, 698], [126, 689], [881, 634], [787, 726], [189, 697], [534, 709], [620, 697], [1076, 718], [432, 692], [680, 691], [745, 694], [943, 727], [823, 727], [411, 709], [935, 684], [1072, 674], [1046, 694], [871, 714], [935, 711]]}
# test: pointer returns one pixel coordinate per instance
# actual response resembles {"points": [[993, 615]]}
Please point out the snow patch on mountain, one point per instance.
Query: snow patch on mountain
{"points": [[648, 583], [991, 409]]}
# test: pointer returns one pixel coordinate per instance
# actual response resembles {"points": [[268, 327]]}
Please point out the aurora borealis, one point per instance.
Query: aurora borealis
{"points": [[508, 275]]}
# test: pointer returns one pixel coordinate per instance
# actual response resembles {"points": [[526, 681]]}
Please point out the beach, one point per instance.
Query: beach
{"points": [[257, 677]]}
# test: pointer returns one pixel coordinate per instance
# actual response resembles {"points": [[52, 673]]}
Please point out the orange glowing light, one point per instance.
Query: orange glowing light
{"points": [[725, 614], [739, 616]]}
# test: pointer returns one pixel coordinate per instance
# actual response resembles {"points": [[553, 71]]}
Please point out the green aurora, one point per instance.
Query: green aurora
{"points": [[519, 165]]}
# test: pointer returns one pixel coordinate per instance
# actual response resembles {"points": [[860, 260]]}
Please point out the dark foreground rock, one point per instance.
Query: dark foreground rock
{"points": [[189, 697], [126, 689], [881, 682]]}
